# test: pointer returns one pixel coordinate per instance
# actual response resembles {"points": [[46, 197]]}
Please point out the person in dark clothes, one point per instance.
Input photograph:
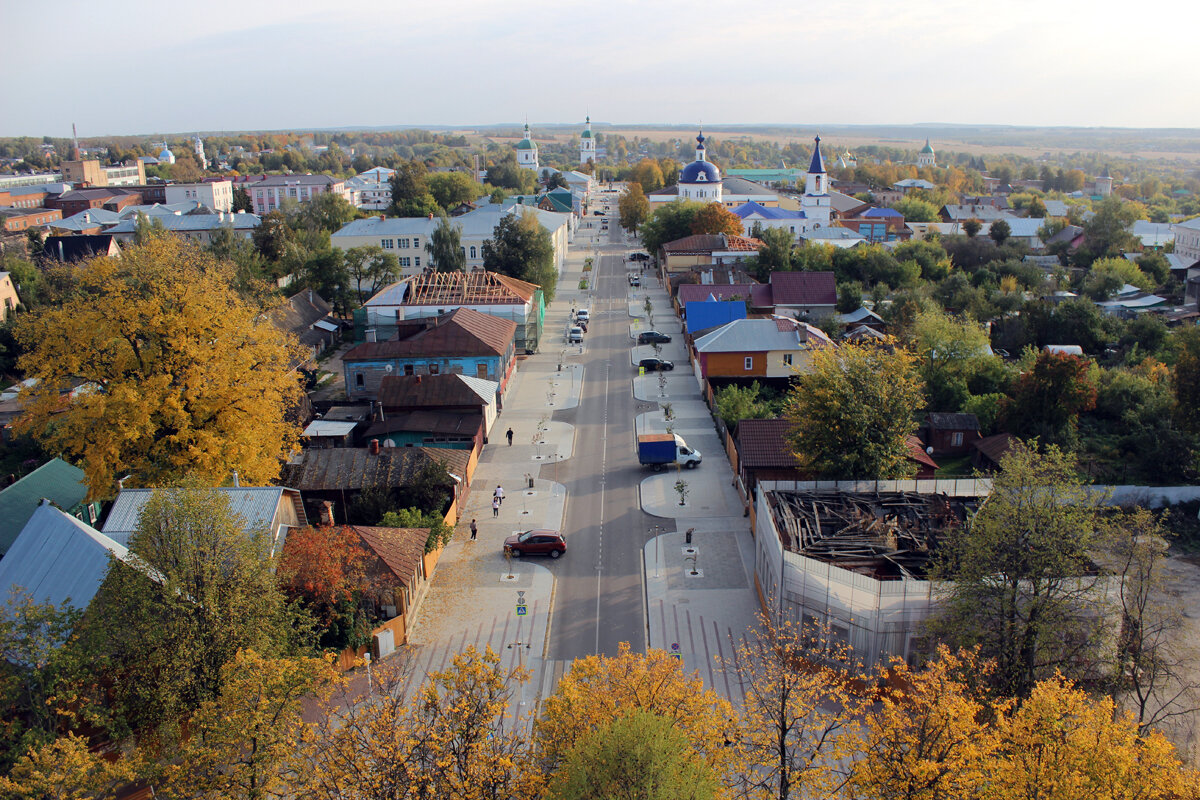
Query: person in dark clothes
{"points": [[474, 530], [509, 435]]}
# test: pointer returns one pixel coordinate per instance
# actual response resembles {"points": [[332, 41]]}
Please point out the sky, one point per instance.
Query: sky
{"points": [[140, 67]]}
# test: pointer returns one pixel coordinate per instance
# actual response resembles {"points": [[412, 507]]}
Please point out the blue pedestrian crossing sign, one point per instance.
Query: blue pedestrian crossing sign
{"points": [[521, 611]]}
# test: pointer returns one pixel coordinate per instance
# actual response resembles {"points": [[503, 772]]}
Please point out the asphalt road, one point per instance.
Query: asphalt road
{"points": [[599, 596]]}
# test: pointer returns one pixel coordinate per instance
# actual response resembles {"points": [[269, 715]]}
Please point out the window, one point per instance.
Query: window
{"points": [[433, 369], [473, 251], [956, 439], [405, 261], [749, 362], [404, 244], [481, 371], [387, 244], [416, 241], [408, 369], [358, 380], [787, 359], [416, 261]]}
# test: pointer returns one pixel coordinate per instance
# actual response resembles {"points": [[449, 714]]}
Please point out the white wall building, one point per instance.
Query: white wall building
{"points": [[217, 195], [267, 195], [1187, 239], [700, 181], [374, 188], [406, 237], [926, 157]]}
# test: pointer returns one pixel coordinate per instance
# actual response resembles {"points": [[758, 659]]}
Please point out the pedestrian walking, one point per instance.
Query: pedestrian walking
{"points": [[509, 435], [495, 506], [499, 493], [474, 530]]}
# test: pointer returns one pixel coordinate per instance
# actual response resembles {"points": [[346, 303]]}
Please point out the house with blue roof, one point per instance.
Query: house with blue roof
{"points": [[751, 214], [58, 559], [704, 315]]}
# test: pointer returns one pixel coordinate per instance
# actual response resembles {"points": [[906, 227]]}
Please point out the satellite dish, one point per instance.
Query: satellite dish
{"points": [[929, 450], [387, 368]]}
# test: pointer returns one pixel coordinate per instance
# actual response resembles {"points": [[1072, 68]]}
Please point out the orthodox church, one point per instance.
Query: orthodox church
{"points": [[587, 143], [926, 157], [527, 151], [700, 180]]}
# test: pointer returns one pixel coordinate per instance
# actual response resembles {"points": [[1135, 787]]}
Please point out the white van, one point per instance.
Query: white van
{"points": [[582, 315], [575, 335]]}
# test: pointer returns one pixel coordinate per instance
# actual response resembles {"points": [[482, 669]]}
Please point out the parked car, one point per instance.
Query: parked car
{"points": [[582, 315], [575, 335], [656, 364], [537, 542], [653, 337], [635, 280], [639, 257], [598, 213]]}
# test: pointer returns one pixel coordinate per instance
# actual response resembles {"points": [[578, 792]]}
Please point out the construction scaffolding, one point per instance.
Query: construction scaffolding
{"points": [[883, 535], [475, 287]]}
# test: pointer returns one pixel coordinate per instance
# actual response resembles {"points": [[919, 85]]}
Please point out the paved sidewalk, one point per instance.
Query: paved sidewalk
{"points": [[700, 598]]}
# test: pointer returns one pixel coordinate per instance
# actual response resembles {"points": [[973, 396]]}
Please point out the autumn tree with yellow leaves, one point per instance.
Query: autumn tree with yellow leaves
{"points": [[600, 689], [796, 682], [155, 366], [453, 740]]}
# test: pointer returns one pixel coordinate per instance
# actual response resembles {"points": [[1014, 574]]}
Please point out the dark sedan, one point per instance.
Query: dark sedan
{"points": [[537, 542], [653, 337], [656, 364]]}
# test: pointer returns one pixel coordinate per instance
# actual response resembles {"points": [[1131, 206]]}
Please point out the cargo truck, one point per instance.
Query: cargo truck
{"points": [[659, 449]]}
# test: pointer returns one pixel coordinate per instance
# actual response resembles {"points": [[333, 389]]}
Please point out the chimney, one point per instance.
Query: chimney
{"points": [[374, 447], [372, 336], [326, 512], [310, 295]]}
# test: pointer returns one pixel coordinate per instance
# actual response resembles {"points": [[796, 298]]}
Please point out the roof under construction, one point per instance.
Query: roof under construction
{"points": [[884, 535], [475, 287]]}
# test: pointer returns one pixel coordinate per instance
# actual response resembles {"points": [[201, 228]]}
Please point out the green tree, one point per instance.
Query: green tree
{"points": [[916, 210], [410, 190], [1046, 401], [451, 189], [1106, 234], [668, 223], [971, 228], [632, 207], [199, 588], [999, 231], [187, 377], [735, 403], [241, 201], [508, 174], [326, 273], [327, 212], [854, 411], [521, 248], [930, 256], [1021, 579], [949, 352], [849, 297], [274, 238], [1185, 379], [1108, 275], [145, 229], [370, 269], [638, 756], [775, 252], [445, 246], [556, 181]]}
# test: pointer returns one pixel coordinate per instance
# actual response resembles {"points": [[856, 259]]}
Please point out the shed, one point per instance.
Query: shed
{"points": [[952, 434]]}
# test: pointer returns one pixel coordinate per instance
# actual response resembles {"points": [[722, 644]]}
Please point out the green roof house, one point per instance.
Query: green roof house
{"points": [[56, 481]]}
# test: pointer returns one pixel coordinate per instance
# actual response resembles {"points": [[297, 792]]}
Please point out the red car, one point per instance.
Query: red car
{"points": [[537, 542]]}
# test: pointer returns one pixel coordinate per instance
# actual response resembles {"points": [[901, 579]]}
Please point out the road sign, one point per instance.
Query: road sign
{"points": [[521, 611], [641, 371], [520, 601], [677, 656]]}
